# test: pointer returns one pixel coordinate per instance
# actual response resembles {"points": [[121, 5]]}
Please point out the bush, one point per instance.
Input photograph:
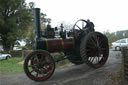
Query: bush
{"points": [[17, 53], [20, 53]]}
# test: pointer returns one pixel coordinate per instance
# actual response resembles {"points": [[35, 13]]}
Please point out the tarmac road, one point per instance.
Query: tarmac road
{"points": [[71, 75]]}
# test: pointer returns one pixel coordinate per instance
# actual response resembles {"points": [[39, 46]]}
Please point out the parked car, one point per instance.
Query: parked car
{"points": [[117, 45], [4, 56]]}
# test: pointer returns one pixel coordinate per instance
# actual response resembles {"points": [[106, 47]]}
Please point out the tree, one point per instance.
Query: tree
{"points": [[111, 37], [15, 17]]}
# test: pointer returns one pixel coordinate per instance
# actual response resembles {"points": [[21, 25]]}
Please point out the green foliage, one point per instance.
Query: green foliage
{"points": [[43, 27], [111, 37], [17, 53], [122, 34], [11, 65], [116, 36], [20, 53], [15, 17], [29, 38]]}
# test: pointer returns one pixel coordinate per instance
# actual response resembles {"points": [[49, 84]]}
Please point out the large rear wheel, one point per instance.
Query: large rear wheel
{"points": [[94, 49], [39, 65]]}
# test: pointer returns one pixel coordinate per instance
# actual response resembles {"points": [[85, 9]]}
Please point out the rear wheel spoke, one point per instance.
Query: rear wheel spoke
{"points": [[92, 59], [94, 43]]}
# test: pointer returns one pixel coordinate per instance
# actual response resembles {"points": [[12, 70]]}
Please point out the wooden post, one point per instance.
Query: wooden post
{"points": [[125, 65]]}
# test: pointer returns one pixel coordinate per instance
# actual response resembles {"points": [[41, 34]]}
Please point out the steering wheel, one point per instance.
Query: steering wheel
{"points": [[79, 26]]}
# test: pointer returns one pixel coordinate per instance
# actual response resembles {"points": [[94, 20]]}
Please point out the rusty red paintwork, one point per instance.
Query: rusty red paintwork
{"points": [[54, 45]]}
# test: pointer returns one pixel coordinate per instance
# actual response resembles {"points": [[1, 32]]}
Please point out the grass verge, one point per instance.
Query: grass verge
{"points": [[11, 66]]}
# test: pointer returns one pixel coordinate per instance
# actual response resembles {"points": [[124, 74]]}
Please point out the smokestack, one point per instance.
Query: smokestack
{"points": [[37, 22]]}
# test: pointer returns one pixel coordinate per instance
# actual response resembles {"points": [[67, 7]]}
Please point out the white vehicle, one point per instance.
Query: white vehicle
{"points": [[4, 56], [117, 45]]}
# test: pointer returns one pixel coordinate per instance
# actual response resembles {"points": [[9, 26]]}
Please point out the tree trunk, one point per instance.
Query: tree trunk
{"points": [[6, 48], [6, 45]]}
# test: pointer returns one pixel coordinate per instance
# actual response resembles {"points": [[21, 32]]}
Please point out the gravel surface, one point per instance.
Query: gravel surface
{"points": [[71, 75]]}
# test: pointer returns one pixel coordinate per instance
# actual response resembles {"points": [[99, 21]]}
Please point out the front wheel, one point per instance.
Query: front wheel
{"points": [[7, 57], [117, 48], [39, 65]]}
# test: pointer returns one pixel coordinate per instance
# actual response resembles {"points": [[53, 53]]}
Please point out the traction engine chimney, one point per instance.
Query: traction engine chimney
{"points": [[37, 22]]}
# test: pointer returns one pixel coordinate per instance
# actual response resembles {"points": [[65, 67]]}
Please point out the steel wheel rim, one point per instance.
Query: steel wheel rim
{"points": [[38, 72]]}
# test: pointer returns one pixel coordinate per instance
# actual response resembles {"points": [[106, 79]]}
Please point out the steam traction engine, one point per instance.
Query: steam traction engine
{"points": [[83, 45]]}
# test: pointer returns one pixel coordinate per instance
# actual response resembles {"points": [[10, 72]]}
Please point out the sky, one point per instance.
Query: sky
{"points": [[107, 15]]}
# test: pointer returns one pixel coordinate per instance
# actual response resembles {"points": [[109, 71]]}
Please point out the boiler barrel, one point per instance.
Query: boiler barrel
{"points": [[56, 45]]}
